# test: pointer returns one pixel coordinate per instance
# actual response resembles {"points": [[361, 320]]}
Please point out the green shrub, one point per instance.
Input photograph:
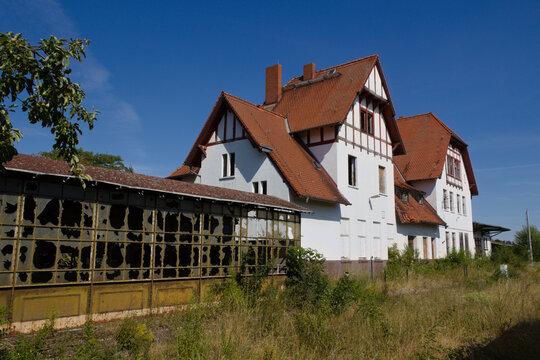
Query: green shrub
{"points": [[90, 348], [346, 291], [135, 338], [32, 347], [306, 281], [190, 339]]}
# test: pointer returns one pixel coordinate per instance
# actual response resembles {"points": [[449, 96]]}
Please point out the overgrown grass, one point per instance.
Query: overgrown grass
{"points": [[437, 312]]}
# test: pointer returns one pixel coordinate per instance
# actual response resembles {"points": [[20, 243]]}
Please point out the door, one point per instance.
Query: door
{"points": [[425, 248]]}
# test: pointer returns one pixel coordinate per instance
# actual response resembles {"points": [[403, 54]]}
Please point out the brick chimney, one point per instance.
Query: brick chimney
{"points": [[273, 84], [309, 71]]}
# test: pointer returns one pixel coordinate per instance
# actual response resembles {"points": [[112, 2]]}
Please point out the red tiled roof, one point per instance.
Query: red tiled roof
{"points": [[184, 170], [426, 139], [412, 211], [328, 101], [303, 173], [40, 165]]}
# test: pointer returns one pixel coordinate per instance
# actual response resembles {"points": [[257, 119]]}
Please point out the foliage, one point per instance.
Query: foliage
{"points": [[90, 348], [5, 322], [190, 340], [306, 280], [32, 348], [91, 158], [510, 255], [36, 78], [436, 314], [522, 242], [347, 290], [252, 284], [135, 338]]}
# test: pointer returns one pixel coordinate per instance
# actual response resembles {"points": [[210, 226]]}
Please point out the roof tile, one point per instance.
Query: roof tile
{"points": [[40, 165]]}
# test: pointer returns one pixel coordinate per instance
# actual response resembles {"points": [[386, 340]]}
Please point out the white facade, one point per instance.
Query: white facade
{"points": [[443, 194], [362, 230]]}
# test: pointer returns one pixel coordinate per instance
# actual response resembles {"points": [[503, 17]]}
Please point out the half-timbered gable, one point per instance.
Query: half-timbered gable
{"points": [[438, 163]]}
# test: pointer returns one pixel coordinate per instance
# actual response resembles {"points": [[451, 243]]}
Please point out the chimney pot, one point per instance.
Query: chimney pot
{"points": [[309, 71], [273, 84]]}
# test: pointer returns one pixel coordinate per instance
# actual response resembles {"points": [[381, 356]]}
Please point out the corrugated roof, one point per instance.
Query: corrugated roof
{"points": [[426, 139], [267, 128], [40, 165], [327, 101]]}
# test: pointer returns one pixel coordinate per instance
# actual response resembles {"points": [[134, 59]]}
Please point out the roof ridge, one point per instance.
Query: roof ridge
{"points": [[252, 104], [340, 65], [430, 113]]}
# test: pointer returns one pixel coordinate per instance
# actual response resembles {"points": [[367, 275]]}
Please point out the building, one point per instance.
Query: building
{"points": [[418, 225], [483, 237], [438, 164], [128, 243], [326, 141]]}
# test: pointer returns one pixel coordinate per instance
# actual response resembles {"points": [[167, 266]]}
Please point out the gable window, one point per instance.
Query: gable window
{"points": [[260, 187], [449, 165], [458, 200], [363, 121], [463, 207], [366, 122], [228, 165], [445, 199], [352, 170], [457, 169], [382, 180], [451, 201]]}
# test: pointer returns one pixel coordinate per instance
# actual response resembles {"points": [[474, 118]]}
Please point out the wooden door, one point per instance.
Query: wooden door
{"points": [[433, 248], [425, 248]]}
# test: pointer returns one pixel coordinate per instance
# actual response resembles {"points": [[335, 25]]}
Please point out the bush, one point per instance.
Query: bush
{"points": [[135, 338], [30, 348], [306, 281], [190, 341], [346, 291]]}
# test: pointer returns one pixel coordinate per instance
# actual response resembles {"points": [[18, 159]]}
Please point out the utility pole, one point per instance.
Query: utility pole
{"points": [[529, 235]]}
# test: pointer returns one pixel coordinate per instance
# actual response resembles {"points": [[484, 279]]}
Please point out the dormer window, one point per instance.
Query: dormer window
{"points": [[404, 196]]}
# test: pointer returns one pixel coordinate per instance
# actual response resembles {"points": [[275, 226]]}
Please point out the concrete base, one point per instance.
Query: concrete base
{"points": [[337, 268]]}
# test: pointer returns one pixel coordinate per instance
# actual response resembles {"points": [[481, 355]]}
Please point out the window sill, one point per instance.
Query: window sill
{"points": [[385, 195], [353, 187], [226, 178]]}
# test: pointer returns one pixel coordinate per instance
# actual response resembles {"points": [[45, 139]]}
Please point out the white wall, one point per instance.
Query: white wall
{"points": [[251, 165], [457, 222]]}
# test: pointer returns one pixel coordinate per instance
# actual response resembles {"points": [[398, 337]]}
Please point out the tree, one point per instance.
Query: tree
{"points": [[522, 242], [91, 158], [37, 79]]}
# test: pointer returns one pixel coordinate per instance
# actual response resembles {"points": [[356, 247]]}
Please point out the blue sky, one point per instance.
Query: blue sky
{"points": [[155, 69]]}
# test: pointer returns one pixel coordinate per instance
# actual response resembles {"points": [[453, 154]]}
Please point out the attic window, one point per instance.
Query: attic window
{"points": [[317, 166], [421, 200], [404, 196], [331, 71]]}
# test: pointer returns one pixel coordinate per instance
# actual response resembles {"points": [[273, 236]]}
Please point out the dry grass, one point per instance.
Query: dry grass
{"points": [[430, 316]]}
